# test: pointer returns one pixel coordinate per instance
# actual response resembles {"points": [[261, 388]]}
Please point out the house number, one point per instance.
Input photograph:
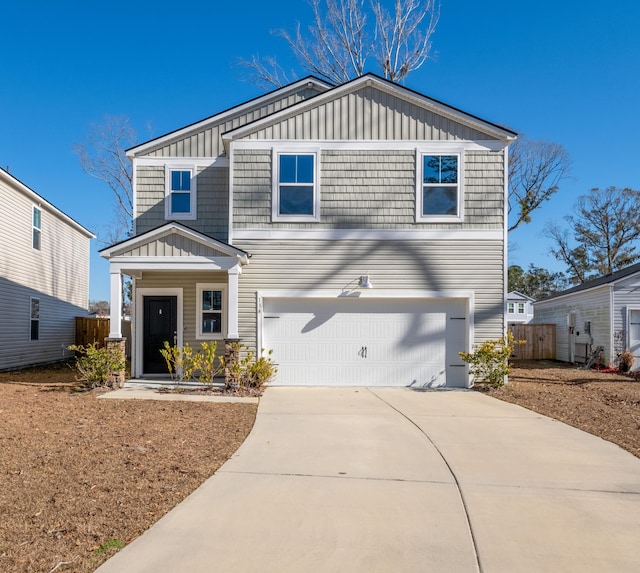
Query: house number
{"points": [[363, 352]]}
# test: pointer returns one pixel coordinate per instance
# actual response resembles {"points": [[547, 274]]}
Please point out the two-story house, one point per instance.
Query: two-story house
{"points": [[519, 308], [356, 230], [44, 276]]}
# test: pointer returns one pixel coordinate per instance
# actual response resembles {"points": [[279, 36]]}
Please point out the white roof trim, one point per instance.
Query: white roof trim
{"points": [[219, 117], [394, 89], [169, 228]]}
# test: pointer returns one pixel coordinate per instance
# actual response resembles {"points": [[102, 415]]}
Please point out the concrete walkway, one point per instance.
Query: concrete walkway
{"points": [[364, 480]]}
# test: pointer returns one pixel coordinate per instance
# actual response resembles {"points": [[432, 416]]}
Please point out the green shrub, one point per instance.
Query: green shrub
{"points": [[249, 371], [94, 365], [207, 364], [490, 361], [180, 361]]}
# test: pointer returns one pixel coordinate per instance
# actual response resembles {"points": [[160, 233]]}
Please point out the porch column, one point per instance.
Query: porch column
{"points": [[232, 312], [115, 328]]}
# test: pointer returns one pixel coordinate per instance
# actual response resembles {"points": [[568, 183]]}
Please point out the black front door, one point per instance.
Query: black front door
{"points": [[160, 324]]}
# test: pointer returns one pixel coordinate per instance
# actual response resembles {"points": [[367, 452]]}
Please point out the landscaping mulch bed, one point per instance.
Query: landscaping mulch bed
{"points": [[603, 403], [82, 477]]}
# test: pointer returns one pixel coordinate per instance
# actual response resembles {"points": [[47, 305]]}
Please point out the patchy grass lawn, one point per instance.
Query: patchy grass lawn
{"points": [[82, 477]]}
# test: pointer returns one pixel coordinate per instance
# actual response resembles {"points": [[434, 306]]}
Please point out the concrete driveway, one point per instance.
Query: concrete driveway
{"points": [[363, 480]]}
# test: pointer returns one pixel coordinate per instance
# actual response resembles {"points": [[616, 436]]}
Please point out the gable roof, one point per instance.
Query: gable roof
{"points": [[515, 295], [37, 198], [169, 228], [609, 279], [279, 93], [433, 105]]}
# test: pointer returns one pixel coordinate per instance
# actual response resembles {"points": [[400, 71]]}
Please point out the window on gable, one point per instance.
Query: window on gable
{"points": [[440, 190], [180, 195], [37, 229], [35, 319], [212, 313], [295, 187]]}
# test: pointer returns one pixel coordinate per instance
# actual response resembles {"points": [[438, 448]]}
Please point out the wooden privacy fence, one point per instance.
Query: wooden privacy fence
{"points": [[540, 341], [93, 329]]}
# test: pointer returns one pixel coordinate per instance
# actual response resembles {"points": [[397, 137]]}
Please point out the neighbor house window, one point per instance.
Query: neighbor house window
{"points": [[510, 307], [37, 228], [211, 310], [439, 192], [521, 308], [180, 193], [35, 318], [295, 192]]}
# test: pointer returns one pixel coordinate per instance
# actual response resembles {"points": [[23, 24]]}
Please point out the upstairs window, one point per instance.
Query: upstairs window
{"points": [[295, 196], [521, 308], [180, 194], [37, 229], [35, 319], [510, 307], [439, 193], [212, 315]]}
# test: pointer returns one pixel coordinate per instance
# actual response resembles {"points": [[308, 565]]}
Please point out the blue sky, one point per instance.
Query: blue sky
{"points": [[565, 71]]}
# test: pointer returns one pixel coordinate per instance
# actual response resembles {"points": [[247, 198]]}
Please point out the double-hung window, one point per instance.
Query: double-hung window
{"points": [[511, 307], [521, 308], [295, 186], [439, 190], [180, 193], [36, 241], [35, 319], [212, 311]]}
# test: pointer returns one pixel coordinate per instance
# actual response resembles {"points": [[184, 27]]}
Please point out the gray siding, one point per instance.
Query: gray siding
{"points": [[212, 201], [369, 114], [369, 189], [392, 265], [208, 142], [589, 306], [58, 275], [626, 296]]}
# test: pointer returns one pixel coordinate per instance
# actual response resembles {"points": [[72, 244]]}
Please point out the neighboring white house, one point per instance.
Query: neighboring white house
{"points": [[44, 276], [519, 308], [603, 312], [356, 230]]}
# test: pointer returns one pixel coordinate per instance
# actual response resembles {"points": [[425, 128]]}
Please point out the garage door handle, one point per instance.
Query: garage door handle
{"points": [[363, 352]]}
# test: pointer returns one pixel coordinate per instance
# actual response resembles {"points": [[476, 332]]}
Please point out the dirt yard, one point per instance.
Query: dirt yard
{"points": [[82, 477]]}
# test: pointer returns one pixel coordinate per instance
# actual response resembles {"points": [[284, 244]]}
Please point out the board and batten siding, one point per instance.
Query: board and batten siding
{"points": [[212, 200], [57, 275], [207, 142], [433, 266], [371, 114], [187, 281], [172, 245], [589, 306], [368, 190]]}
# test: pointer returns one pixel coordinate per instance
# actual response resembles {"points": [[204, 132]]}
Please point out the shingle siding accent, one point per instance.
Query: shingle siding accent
{"points": [[393, 265], [368, 189]]}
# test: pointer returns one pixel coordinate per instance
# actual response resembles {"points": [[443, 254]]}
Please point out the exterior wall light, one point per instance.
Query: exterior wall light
{"points": [[365, 282]]}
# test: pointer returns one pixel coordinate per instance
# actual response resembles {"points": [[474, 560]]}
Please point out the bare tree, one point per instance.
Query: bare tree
{"points": [[346, 33], [102, 155], [535, 171], [605, 229]]}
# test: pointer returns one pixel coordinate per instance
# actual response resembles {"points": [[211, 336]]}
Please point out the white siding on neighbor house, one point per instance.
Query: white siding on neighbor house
{"points": [[57, 274], [208, 143], [368, 189], [589, 306], [626, 296], [368, 113], [425, 266], [212, 200]]}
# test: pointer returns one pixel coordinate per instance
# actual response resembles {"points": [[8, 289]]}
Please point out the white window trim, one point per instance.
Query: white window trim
{"points": [[168, 214], [275, 184], [31, 319], [511, 307], [200, 288], [522, 308], [459, 216], [34, 228]]}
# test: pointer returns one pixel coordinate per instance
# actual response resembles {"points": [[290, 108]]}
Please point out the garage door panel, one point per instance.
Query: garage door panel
{"points": [[365, 343]]}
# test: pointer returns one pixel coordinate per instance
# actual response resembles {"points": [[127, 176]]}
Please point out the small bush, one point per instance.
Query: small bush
{"points": [[490, 361], [94, 365], [249, 371]]}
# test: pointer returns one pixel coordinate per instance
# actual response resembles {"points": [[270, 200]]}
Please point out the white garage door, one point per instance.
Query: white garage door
{"points": [[371, 342]]}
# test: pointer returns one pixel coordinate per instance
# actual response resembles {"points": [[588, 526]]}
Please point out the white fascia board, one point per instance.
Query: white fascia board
{"points": [[393, 89], [220, 117], [141, 264], [367, 293], [375, 145], [369, 234], [202, 162]]}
